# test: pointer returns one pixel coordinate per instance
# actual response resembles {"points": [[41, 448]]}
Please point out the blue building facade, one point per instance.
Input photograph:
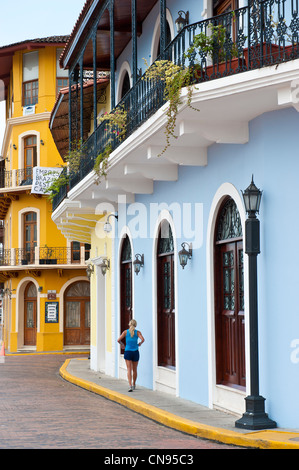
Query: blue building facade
{"points": [[195, 319]]}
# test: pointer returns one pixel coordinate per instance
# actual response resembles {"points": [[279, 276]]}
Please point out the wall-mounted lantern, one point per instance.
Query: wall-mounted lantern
{"points": [[184, 254], [181, 22], [138, 263]]}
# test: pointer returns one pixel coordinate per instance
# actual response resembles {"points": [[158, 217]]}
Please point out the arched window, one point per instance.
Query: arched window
{"points": [[30, 236], [168, 38], [126, 85], [229, 297], [125, 284], [155, 48], [165, 297], [30, 158]]}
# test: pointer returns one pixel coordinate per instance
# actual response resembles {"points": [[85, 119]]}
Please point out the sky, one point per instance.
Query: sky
{"points": [[31, 19]]}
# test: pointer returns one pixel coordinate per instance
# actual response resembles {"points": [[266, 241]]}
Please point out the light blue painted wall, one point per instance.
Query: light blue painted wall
{"points": [[272, 156], [145, 40]]}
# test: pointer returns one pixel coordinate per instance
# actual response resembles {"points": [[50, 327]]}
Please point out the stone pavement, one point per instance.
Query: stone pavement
{"points": [[175, 412]]}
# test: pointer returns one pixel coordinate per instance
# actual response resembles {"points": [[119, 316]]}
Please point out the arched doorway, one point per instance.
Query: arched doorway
{"points": [[77, 314], [165, 297], [229, 297], [30, 315], [125, 285], [126, 85]]}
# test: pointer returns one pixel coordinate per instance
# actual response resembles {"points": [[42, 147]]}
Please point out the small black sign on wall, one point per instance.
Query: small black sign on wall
{"points": [[52, 309]]}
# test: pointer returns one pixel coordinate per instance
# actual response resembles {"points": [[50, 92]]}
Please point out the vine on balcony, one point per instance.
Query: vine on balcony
{"points": [[71, 166], [116, 127], [174, 78]]}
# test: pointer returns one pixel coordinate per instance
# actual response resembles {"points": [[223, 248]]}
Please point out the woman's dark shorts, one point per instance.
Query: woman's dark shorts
{"points": [[132, 356]]}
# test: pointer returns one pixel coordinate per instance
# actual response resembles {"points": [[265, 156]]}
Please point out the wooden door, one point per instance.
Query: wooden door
{"points": [[229, 299], [30, 236], [166, 311], [126, 286], [77, 314], [30, 316], [76, 251], [30, 154], [165, 297], [230, 327]]}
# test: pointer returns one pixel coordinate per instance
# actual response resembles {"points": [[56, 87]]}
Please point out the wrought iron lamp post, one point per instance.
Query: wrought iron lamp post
{"points": [[254, 416]]}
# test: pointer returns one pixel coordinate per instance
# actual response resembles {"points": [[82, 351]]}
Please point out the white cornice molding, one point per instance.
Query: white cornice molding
{"points": [[17, 121], [141, 146]]}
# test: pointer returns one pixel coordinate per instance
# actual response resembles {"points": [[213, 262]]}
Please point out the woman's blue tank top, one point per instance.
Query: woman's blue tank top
{"points": [[131, 343]]}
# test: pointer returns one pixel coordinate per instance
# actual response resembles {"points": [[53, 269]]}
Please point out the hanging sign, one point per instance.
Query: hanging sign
{"points": [[43, 177]]}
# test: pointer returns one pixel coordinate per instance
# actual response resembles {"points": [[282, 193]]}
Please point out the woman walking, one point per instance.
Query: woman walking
{"points": [[131, 351]]}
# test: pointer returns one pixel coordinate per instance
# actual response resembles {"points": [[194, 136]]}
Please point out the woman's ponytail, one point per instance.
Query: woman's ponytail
{"points": [[132, 326]]}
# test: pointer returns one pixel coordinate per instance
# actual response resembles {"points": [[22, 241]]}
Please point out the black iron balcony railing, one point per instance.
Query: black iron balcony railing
{"points": [[261, 34], [43, 255], [15, 178]]}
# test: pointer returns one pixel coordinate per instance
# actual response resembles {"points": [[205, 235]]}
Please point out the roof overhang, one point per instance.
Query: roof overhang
{"points": [[59, 120], [95, 14]]}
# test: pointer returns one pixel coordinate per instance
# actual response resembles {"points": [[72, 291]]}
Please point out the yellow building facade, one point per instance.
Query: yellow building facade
{"points": [[79, 217], [45, 288]]}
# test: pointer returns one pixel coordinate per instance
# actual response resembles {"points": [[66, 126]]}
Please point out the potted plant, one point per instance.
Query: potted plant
{"points": [[48, 256], [216, 46]]}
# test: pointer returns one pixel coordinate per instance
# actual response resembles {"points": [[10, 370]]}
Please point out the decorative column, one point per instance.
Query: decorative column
{"points": [[162, 27], [134, 40], [112, 58], [70, 110], [95, 98], [81, 98], [73, 106]]}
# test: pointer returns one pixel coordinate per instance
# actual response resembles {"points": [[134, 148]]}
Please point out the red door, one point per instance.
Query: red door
{"points": [[166, 311], [165, 297], [126, 286], [229, 299]]}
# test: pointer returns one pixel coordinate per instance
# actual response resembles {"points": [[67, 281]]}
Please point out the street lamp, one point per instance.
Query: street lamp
{"points": [[254, 416]]}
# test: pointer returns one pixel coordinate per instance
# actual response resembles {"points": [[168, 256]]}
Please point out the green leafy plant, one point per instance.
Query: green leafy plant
{"points": [[101, 163], [71, 166], [59, 182], [174, 77], [216, 44], [116, 127]]}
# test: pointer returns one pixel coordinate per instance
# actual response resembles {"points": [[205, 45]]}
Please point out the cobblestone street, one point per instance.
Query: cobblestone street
{"points": [[39, 410]]}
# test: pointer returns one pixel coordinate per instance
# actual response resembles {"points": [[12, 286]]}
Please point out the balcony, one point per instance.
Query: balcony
{"points": [[43, 257], [11, 179], [255, 37]]}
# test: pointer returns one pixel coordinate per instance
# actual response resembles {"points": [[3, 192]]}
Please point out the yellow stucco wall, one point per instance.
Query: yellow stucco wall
{"points": [[101, 245], [49, 336]]}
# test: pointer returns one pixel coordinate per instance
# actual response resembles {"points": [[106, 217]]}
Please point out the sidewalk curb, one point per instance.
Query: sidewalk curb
{"points": [[256, 439]]}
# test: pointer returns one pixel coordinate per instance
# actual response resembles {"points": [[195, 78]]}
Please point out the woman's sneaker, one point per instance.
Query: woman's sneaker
{"points": [[130, 389]]}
